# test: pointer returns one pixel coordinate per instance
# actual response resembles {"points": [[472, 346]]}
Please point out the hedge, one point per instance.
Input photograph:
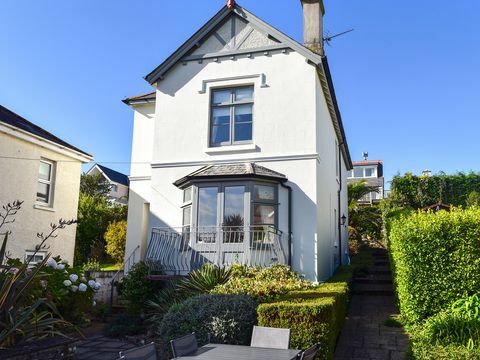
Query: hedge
{"points": [[314, 315], [436, 260]]}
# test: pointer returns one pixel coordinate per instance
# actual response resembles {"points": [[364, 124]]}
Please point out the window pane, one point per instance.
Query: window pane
{"points": [[368, 172], [187, 195], [207, 206], [243, 113], [42, 192], [263, 192], [358, 172], [222, 96], [220, 134], [187, 211], [263, 214], [244, 94], [243, 132], [221, 116], [234, 206], [45, 171]]}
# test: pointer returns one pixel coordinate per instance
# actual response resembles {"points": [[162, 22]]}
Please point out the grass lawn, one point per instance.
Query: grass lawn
{"points": [[110, 267]]}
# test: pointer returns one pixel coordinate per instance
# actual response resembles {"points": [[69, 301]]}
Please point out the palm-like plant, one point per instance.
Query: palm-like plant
{"points": [[22, 317]]}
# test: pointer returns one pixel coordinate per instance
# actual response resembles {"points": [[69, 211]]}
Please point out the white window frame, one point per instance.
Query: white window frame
{"points": [[47, 182], [351, 173], [29, 253]]}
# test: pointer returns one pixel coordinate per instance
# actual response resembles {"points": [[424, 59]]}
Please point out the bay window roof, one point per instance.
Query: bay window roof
{"points": [[234, 171]]}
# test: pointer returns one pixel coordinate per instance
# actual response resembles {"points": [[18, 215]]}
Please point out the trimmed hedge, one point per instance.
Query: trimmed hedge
{"points": [[314, 315], [436, 259]]}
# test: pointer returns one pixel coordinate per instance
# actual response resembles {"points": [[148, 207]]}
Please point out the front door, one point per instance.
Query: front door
{"points": [[221, 223]]}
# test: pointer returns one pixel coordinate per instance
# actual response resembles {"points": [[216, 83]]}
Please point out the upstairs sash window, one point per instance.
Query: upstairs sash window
{"points": [[45, 182]]}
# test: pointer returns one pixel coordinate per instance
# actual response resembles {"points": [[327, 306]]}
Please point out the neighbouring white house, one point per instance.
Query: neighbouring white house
{"points": [[239, 154], [43, 171], [119, 183]]}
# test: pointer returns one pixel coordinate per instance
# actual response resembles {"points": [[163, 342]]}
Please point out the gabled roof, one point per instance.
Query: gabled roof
{"points": [[320, 62], [112, 175], [141, 99], [10, 118], [242, 170]]}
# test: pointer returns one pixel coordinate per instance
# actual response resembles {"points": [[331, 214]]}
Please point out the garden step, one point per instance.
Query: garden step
{"points": [[380, 268], [381, 263], [381, 272], [373, 281], [375, 277], [373, 289]]}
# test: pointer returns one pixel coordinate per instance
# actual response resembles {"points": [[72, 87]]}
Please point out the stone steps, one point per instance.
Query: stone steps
{"points": [[373, 289]]}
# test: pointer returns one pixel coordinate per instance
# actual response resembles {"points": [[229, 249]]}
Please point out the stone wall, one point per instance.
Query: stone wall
{"points": [[105, 279]]}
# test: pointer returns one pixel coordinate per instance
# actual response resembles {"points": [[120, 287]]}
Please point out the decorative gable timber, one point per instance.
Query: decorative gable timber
{"points": [[263, 37], [234, 34]]}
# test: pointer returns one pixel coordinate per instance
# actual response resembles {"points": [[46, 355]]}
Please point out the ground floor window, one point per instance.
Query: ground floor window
{"points": [[34, 258]]}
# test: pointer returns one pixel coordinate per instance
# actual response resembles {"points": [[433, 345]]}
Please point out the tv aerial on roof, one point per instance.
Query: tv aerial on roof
{"points": [[328, 39]]}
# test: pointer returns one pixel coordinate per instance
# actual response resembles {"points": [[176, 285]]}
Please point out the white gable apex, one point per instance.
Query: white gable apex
{"points": [[234, 34]]}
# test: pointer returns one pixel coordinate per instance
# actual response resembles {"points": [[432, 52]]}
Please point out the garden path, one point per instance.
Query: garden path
{"points": [[100, 347], [365, 335]]}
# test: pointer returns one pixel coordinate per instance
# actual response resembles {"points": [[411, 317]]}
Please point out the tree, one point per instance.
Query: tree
{"points": [[94, 185], [473, 199], [363, 219], [116, 237]]}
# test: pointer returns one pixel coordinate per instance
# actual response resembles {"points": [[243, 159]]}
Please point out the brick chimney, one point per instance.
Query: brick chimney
{"points": [[313, 12]]}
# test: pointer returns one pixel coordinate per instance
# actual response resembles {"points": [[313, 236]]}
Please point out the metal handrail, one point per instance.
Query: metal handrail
{"points": [[126, 266], [180, 250]]}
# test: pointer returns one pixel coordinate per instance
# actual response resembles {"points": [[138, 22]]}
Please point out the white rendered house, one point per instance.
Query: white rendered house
{"points": [[239, 155], [43, 171]]}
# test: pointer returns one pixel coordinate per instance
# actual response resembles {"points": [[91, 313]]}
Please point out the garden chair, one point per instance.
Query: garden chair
{"points": [[185, 345], [146, 352], [311, 353], [272, 338]]}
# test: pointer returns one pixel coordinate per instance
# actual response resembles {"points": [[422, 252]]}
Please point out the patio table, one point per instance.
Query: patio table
{"points": [[238, 352]]}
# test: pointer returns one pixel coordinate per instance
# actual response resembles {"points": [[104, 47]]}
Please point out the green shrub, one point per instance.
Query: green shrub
{"points": [[137, 289], [226, 318], [204, 280], [264, 284], [314, 315], [92, 265], [436, 258], [116, 238]]}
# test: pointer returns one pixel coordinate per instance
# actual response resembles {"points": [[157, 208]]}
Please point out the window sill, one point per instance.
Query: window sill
{"points": [[43, 207], [231, 149]]}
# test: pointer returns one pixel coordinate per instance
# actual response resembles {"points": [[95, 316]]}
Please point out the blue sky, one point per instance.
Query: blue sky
{"points": [[406, 79]]}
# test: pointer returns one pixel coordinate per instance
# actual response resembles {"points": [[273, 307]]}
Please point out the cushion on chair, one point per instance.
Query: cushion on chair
{"points": [[272, 338]]}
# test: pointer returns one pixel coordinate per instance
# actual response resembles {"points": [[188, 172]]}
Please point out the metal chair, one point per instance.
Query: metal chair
{"points": [[311, 353], [146, 352], [272, 338], [185, 345]]}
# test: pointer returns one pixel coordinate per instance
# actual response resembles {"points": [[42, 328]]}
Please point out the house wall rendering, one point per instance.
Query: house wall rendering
{"points": [[19, 179]]}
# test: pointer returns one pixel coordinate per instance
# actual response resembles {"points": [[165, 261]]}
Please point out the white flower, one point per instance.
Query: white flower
{"points": [[74, 288], [97, 285], [91, 283], [67, 283], [60, 267], [73, 277], [94, 303], [52, 263], [82, 287]]}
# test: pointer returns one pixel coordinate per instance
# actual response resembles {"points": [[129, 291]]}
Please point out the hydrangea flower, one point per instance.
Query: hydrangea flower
{"points": [[52, 263], [82, 287], [91, 283], [67, 283], [94, 303], [74, 288], [73, 277], [97, 286], [60, 267]]}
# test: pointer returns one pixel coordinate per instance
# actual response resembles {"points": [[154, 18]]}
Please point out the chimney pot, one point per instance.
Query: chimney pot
{"points": [[313, 11]]}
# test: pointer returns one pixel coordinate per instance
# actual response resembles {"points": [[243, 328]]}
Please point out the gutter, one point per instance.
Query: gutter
{"points": [[290, 191], [340, 258]]}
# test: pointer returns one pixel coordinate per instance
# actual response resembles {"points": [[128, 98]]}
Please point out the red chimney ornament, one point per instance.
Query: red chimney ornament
{"points": [[231, 4]]}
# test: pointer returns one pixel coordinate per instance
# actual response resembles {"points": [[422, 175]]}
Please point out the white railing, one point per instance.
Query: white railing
{"points": [[181, 250]]}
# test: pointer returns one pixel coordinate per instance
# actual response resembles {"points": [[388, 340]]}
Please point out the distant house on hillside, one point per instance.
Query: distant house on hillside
{"points": [[119, 183], [43, 171], [372, 172]]}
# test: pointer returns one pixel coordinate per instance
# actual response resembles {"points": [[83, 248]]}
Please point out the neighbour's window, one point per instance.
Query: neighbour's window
{"points": [[45, 182], [34, 259], [231, 116], [369, 172]]}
